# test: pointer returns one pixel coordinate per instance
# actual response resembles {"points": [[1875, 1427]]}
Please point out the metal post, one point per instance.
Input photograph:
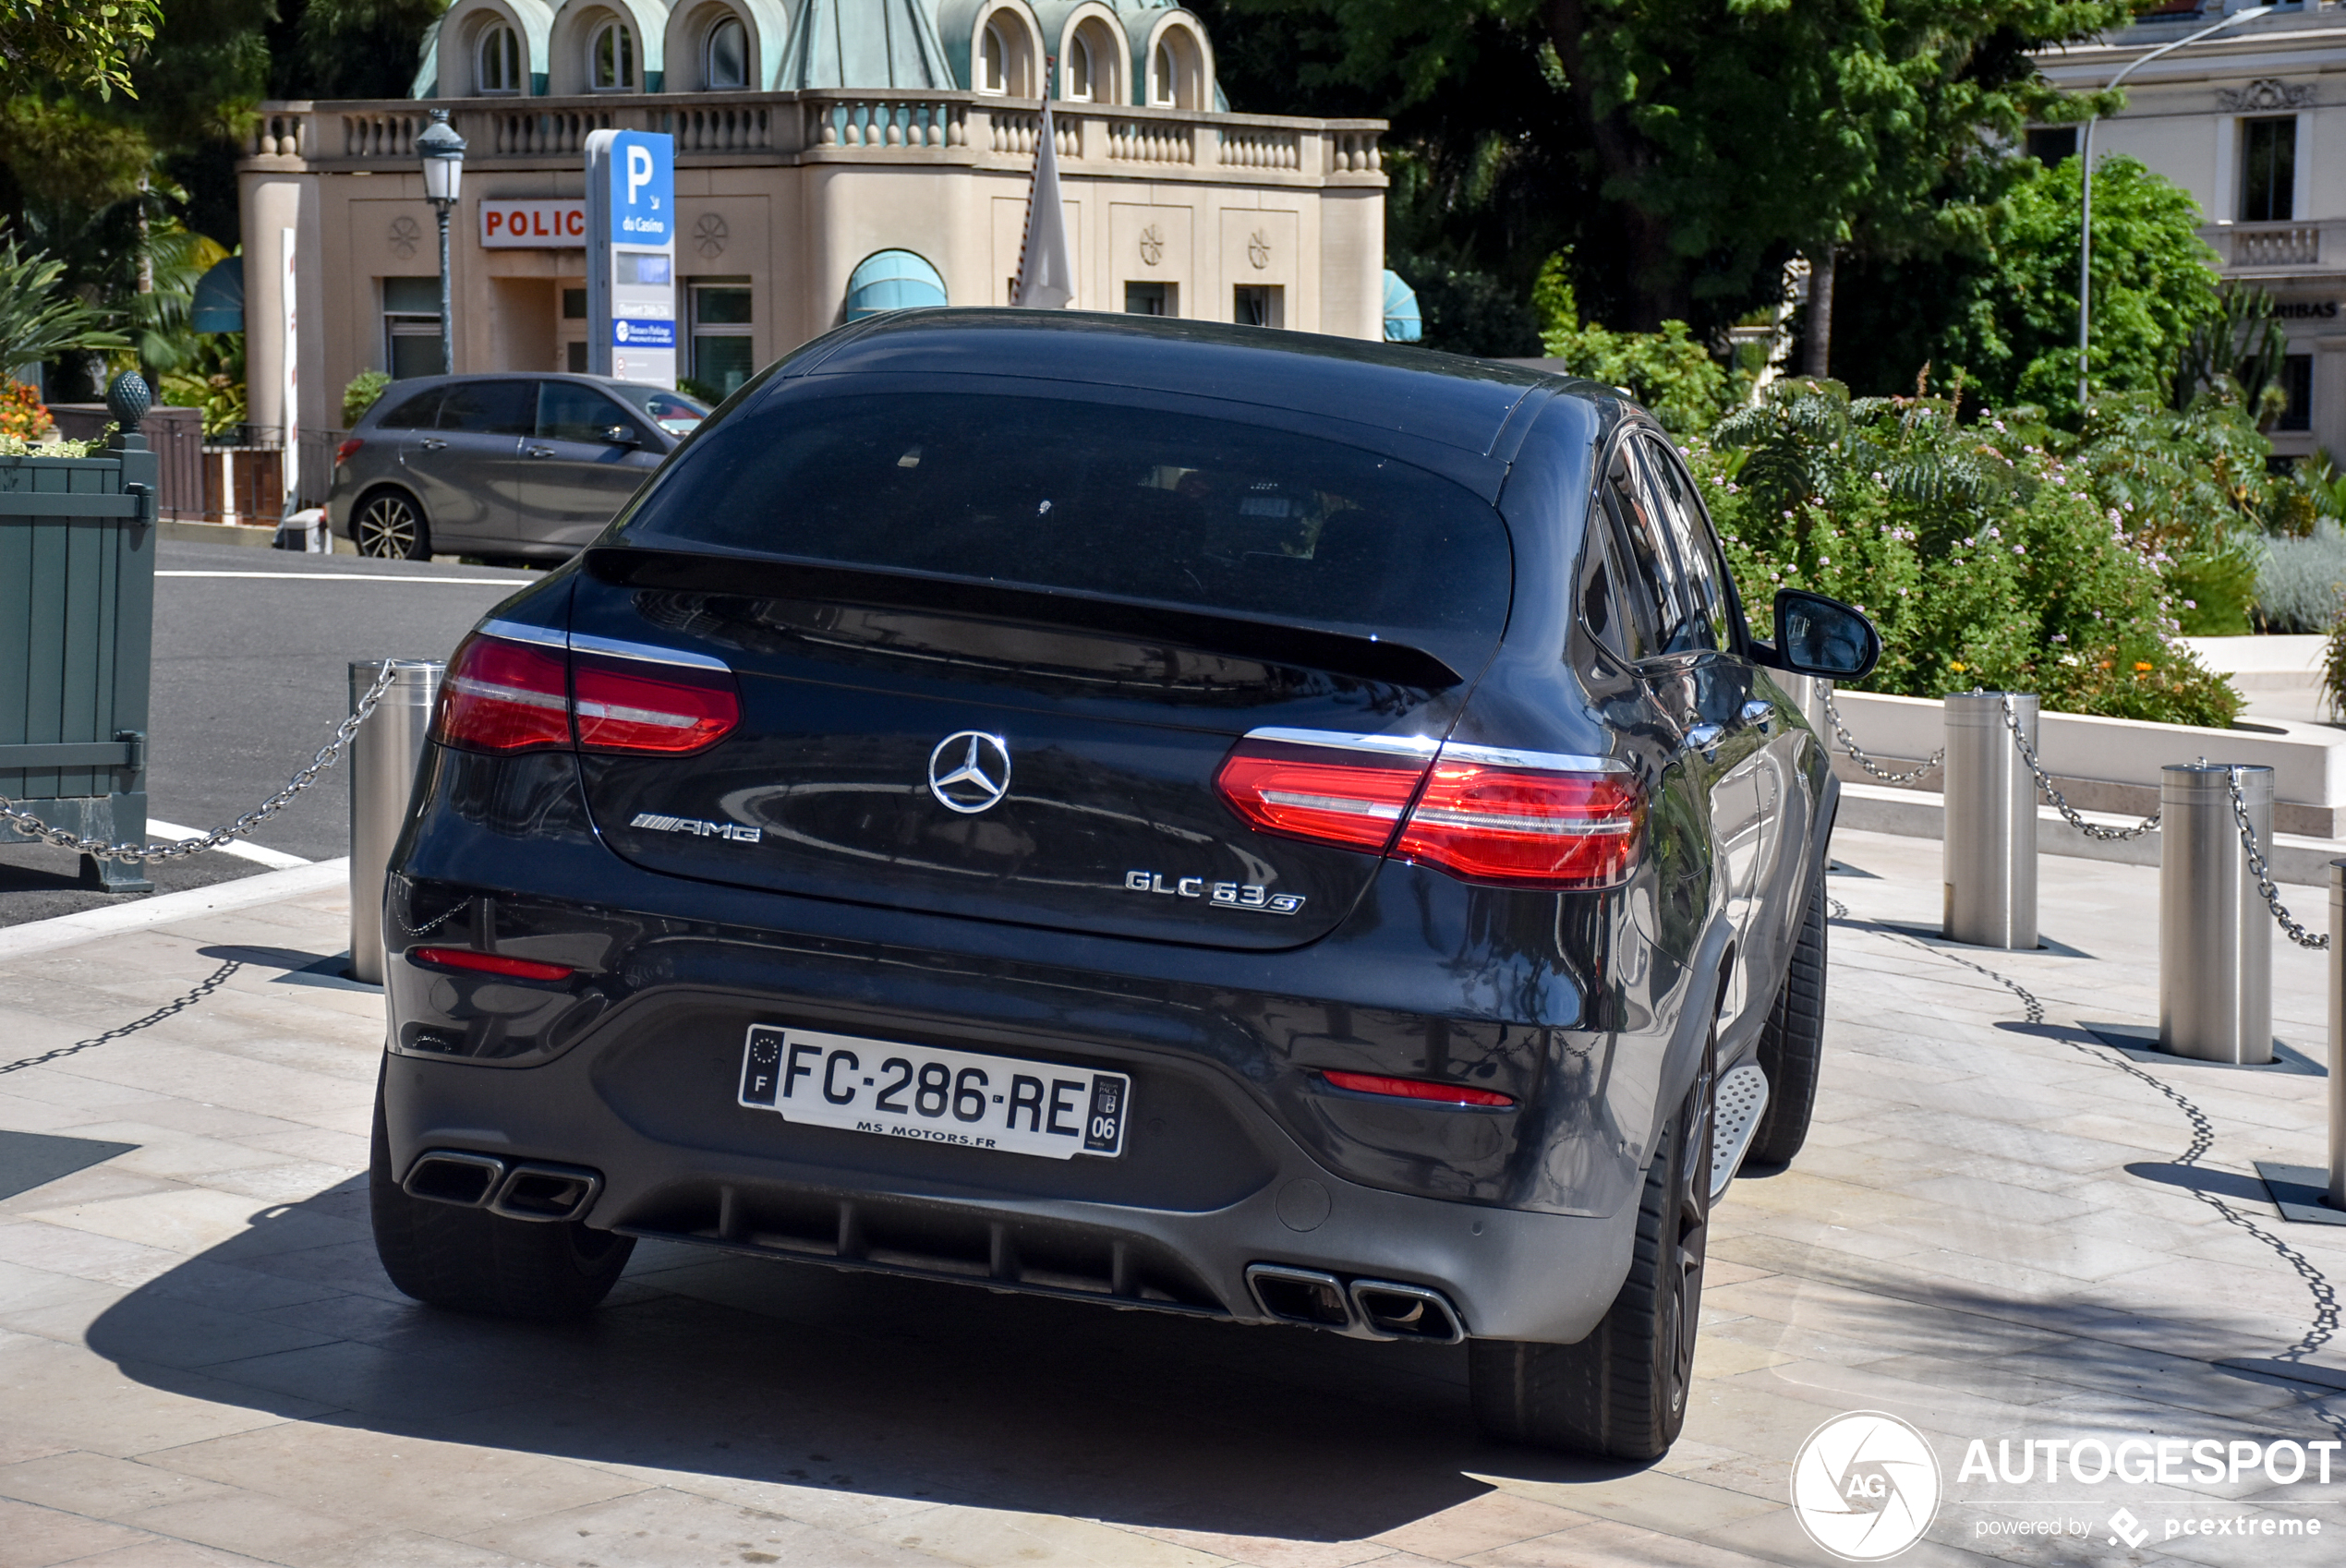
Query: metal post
{"points": [[1991, 847], [383, 756], [2215, 936], [1812, 691], [2338, 1034], [447, 318]]}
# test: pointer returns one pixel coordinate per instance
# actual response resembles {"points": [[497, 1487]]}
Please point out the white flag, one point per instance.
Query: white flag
{"points": [[1045, 280]]}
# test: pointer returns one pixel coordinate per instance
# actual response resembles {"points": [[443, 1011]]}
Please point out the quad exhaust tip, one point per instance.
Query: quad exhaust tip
{"points": [[1368, 1309], [525, 1190]]}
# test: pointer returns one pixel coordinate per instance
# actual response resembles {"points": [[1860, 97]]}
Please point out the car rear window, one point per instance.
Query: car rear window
{"points": [[1096, 499]]}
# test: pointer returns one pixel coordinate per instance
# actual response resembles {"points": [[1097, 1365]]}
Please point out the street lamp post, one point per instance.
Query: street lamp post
{"points": [[2085, 182], [443, 151]]}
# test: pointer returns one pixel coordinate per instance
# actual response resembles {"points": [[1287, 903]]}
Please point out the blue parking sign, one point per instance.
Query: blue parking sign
{"points": [[643, 187]]}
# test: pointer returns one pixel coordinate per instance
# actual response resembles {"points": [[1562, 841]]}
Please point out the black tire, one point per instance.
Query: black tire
{"points": [[472, 1260], [389, 526], [1792, 1043], [1621, 1393]]}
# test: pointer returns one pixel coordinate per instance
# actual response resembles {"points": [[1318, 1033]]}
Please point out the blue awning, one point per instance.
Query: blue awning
{"points": [[220, 297], [892, 280], [1402, 322]]}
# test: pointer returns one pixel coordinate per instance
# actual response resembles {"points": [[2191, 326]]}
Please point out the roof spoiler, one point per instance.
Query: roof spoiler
{"points": [[1367, 657]]}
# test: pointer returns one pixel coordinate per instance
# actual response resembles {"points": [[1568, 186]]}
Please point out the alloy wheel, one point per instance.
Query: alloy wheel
{"points": [[389, 528]]}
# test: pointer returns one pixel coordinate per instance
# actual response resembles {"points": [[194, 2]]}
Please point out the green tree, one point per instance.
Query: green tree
{"points": [[2006, 316], [40, 321], [1702, 140], [84, 45]]}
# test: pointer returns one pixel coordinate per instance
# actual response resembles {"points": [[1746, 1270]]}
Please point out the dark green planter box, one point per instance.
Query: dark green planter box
{"points": [[76, 637]]}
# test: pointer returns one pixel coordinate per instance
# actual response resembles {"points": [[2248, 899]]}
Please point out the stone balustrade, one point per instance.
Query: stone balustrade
{"points": [[831, 126]]}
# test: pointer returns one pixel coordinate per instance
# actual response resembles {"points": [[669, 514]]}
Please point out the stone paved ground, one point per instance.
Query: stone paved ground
{"points": [[2003, 1229]]}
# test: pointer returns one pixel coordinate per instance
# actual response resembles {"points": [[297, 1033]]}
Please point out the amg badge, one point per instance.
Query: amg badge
{"points": [[694, 826], [1221, 895]]}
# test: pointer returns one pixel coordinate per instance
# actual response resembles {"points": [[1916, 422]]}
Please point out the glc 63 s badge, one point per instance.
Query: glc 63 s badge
{"points": [[1221, 895]]}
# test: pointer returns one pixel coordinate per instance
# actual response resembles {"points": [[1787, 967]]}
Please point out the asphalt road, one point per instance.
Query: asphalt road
{"points": [[253, 659]]}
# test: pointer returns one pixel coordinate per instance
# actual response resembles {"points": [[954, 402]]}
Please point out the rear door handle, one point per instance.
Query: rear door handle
{"points": [[1760, 711], [1705, 738], [540, 452], [431, 445]]}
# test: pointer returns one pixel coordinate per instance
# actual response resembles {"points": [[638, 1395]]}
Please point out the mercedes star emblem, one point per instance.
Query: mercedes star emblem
{"points": [[969, 771]]}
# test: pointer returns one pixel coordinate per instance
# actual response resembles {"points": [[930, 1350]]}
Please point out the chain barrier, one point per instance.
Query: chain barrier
{"points": [[34, 827], [1857, 753], [2061, 802], [2257, 869]]}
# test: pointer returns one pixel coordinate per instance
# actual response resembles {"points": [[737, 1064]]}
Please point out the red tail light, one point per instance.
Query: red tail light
{"points": [[343, 451], [490, 963], [625, 708], [505, 696], [1529, 827], [1482, 814], [1417, 1089]]}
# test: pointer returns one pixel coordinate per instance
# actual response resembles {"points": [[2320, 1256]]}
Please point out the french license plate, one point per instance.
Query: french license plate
{"points": [[1003, 1103]]}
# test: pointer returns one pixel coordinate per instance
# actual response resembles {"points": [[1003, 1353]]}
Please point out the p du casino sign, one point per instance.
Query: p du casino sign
{"points": [[631, 256]]}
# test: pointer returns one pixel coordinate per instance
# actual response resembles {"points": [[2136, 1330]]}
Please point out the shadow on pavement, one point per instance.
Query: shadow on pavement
{"points": [[803, 1375]]}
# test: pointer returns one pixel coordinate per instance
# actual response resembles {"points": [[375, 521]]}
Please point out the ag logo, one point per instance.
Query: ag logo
{"points": [[1865, 1486], [969, 771]]}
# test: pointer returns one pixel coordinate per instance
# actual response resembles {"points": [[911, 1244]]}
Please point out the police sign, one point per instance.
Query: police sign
{"points": [[630, 261]]}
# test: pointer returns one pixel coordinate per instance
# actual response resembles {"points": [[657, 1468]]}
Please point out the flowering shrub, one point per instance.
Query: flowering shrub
{"points": [[1985, 559], [23, 413]]}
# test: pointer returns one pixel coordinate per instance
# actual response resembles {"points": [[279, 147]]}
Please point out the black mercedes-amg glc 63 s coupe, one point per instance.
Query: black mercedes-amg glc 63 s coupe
{"points": [[1229, 822]]}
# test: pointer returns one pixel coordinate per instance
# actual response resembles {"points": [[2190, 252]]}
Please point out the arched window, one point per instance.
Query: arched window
{"points": [[994, 60], [1177, 71], [1080, 76], [610, 59], [892, 280], [497, 68], [1163, 71], [728, 55]]}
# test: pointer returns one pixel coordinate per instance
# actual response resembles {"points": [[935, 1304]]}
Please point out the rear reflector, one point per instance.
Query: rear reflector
{"points": [[505, 695], [1480, 815], [622, 707], [489, 963], [1417, 1089]]}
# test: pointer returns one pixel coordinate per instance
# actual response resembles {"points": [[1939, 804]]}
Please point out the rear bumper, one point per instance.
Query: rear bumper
{"points": [[1509, 1273]]}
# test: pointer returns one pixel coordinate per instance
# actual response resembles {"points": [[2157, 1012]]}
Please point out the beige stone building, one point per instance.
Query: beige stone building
{"points": [[2252, 123], [833, 157]]}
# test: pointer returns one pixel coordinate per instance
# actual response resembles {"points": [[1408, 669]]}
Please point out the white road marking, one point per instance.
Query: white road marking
{"points": [[237, 846], [353, 577]]}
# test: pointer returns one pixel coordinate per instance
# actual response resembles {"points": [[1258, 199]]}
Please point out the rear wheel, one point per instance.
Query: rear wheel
{"points": [[1792, 1045], [389, 526], [1622, 1392], [472, 1260]]}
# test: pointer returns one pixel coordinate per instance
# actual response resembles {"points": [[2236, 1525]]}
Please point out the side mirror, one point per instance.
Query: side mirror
{"points": [[1816, 635], [619, 435]]}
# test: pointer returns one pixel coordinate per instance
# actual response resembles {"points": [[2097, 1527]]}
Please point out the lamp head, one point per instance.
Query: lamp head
{"points": [[442, 152]]}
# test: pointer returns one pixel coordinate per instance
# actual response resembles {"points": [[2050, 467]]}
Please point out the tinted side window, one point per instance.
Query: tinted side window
{"points": [[1705, 625], [495, 408], [420, 412], [570, 411], [1649, 566], [1615, 605]]}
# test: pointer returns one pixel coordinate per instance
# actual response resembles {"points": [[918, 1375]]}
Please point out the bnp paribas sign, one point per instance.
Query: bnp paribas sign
{"points": [[631, 256]]}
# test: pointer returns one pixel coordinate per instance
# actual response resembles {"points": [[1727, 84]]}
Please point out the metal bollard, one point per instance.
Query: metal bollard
{"points": [[2338, 1034], [1811, 691], [2215, 936], [1989, 853], [383, 756]]}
